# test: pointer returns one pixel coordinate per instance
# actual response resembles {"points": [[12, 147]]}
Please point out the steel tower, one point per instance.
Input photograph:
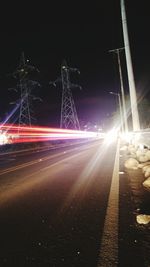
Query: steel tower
{"points": [[25, 86], [69, 117]]}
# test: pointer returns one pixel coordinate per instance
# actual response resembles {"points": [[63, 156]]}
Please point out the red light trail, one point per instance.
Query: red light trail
{"points": [[22, 134]]}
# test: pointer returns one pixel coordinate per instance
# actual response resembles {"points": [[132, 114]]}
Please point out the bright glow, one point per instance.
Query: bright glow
{"points": [[131, 137], [111, 136], [3, 139], [128, 137]]}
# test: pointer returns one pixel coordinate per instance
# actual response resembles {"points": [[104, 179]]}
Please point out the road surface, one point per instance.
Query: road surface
{"points": [[61, 207]]}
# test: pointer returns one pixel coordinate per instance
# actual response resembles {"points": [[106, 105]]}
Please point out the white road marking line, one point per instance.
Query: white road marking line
{"points": [[108, 255], [121, 172]]}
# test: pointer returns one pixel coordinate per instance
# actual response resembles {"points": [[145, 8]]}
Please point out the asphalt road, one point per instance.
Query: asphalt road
{"points": [[55, 207]]}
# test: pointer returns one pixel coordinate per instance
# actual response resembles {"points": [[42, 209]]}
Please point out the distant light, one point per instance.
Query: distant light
{"points": [[3, 139], [111, 136]]}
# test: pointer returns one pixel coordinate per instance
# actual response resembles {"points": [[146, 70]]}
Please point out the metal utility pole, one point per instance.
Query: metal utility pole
{"points": [[117, 51], [25, 86], [133, 97], [120, 110]]}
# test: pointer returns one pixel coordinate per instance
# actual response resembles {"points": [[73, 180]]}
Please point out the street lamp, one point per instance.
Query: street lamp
{"points": [[132, 89], [124, 112], [120, 109]]}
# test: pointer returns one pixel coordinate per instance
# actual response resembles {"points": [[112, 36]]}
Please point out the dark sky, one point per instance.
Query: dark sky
{"points": [[83, 35]]}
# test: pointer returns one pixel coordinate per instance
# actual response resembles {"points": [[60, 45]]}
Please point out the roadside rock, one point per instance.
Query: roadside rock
{"points": [[139, 153], [131, 163], [146, 184], [141, 165], [133, 155], [143, 158], [147, 173], [145, 168], [132, 149], [147, 154], [143, 219]]}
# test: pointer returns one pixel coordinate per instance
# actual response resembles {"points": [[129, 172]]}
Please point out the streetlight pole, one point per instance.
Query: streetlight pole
{"points": [[133, 97], [117, 51], [120, 109]]}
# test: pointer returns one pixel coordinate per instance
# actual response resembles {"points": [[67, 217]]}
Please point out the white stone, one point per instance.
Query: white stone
{"points": [[132, 149], [133, 155], [131, 163], [130, 146], [148, 154], [139, 152], [141, 165], [143, 219], [146, 184], [148, 168], [147, 174], [143, 158], [145, 168]]}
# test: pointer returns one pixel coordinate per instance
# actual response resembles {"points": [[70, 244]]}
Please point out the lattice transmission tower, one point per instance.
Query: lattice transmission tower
{"points": [[25, 86], [69, 117]]}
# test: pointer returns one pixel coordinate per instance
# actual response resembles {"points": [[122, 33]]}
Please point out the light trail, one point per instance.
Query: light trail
{"points": [[37, 128], [23, 134]]}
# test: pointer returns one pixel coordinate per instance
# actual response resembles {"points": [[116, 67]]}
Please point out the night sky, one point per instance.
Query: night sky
{"points": [[83, 35]]}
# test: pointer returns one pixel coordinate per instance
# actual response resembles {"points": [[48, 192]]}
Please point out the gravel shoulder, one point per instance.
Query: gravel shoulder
{"points": [[134, 201]]}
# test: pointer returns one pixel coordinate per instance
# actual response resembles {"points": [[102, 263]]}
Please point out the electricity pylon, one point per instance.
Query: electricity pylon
{"points": [[69, 117], [25, 86]]}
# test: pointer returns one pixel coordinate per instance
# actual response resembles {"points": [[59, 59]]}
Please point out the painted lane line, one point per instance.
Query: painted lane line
{"points": [[108, 255]]}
